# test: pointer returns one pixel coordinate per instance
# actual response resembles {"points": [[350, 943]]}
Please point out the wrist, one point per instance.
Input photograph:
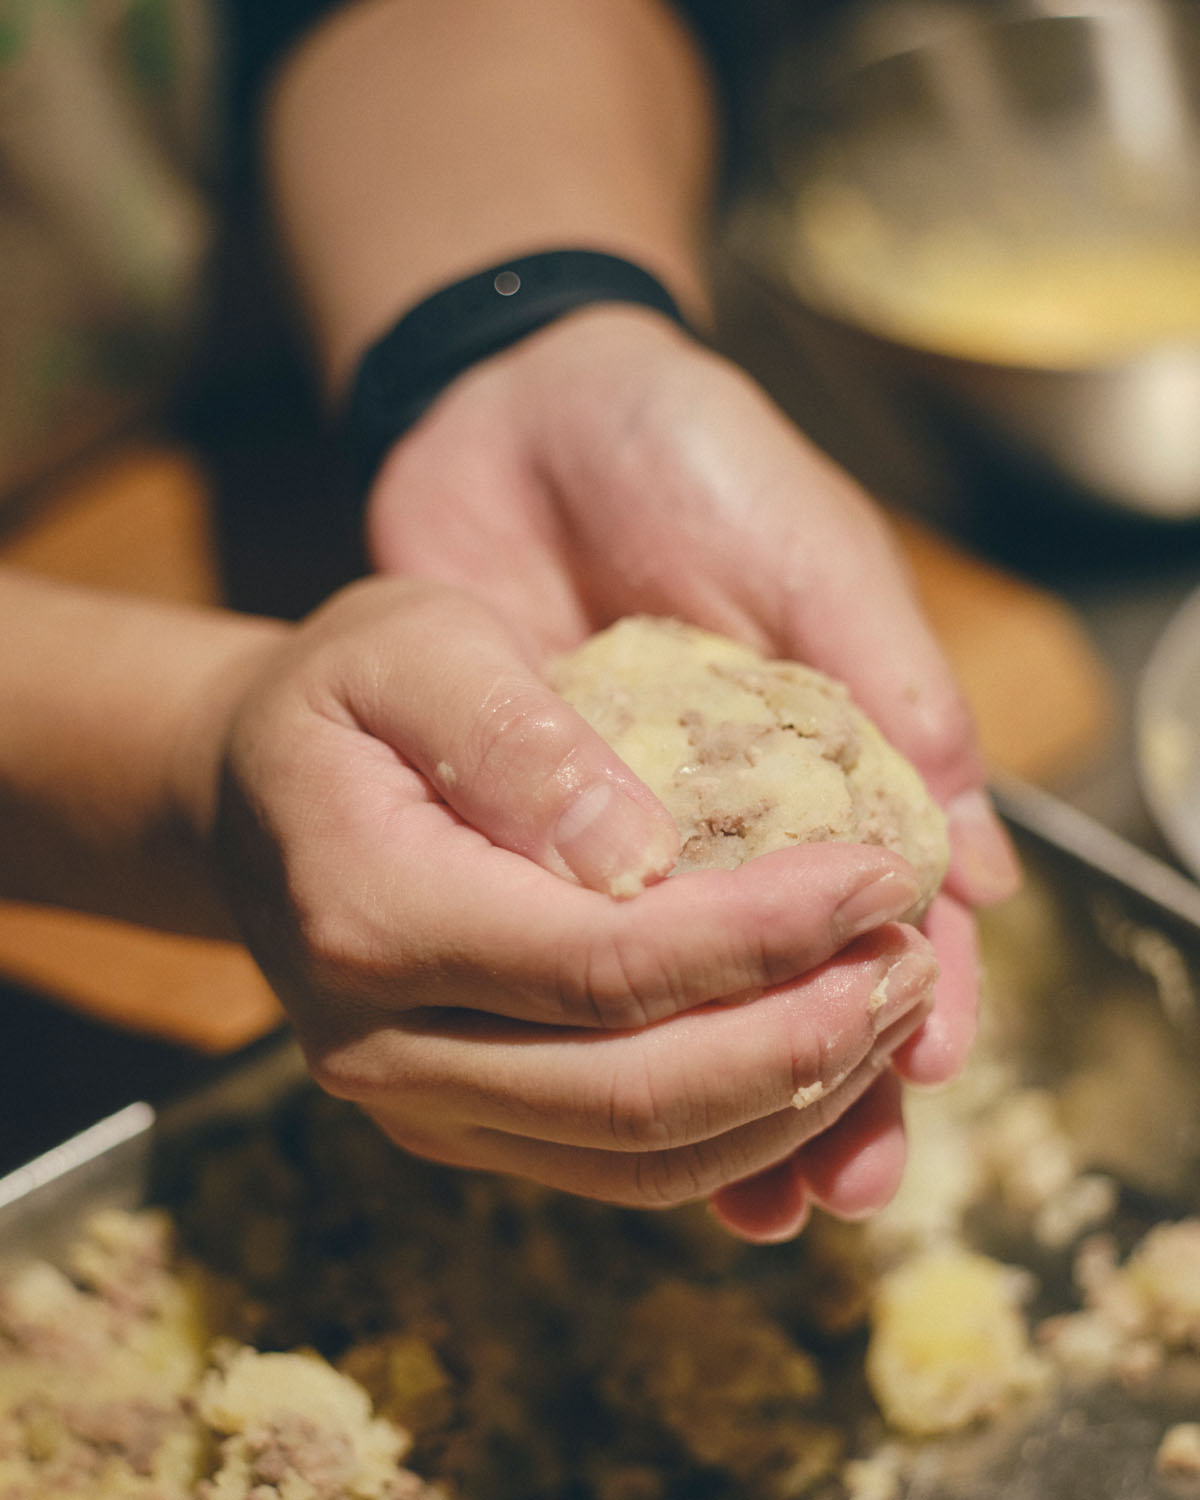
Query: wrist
{"points": [[236, 654], [467, 323]]}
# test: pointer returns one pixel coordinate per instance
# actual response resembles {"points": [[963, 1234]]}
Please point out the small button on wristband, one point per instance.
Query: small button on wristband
{"points": [[403, 373]]}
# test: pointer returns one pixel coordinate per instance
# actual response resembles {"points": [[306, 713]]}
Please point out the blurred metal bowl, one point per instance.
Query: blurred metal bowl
{"points": [[1167, 724], [1003, 206]]}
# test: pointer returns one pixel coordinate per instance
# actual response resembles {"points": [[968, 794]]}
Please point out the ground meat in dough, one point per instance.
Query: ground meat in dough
{"points": [[749, 755]]}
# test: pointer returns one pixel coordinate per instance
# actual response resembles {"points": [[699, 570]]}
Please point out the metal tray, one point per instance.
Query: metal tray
{"points": [[1126, 944], [112, 1164]]}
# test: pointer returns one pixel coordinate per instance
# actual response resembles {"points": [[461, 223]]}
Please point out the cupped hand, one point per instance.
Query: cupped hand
{"points": [[609, 465], [416, 835]]}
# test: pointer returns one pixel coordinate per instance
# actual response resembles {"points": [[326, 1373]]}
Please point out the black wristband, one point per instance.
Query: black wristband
{"points": [[402, 374]]}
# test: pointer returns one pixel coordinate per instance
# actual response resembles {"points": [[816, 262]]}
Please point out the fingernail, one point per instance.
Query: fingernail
{"points": [[611, 843], [985, 863], [905, 985], [884, 898]]}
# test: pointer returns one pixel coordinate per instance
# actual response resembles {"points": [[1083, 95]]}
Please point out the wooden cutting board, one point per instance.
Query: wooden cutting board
{"points": [[140, 519]]}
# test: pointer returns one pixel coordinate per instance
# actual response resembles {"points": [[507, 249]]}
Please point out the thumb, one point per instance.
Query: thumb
{"points": [[454, 693]]}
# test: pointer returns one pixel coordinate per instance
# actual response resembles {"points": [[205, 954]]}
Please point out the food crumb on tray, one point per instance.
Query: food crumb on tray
{"points": [[949, 1343], [111, 1386], [1179, 1452]]}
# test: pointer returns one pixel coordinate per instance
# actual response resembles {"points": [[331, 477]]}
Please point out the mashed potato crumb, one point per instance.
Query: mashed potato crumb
{"points": [[1179, 1452], [291, 1421], [107, 1391], [949, 1344], [1137, 1313]]}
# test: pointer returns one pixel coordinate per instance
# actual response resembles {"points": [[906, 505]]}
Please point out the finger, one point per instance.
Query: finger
{"points": [[766, 1209], [450, 689], [900, 677], [704, 936], [850, 1169], [938, 1051], [984, 866], [529, 946], [854, 1168], [675, 1084], [660, 1178]]}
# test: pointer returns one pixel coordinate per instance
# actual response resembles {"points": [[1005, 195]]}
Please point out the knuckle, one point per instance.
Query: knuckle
{"points": [[672, 1177], [637, 1120], [816, 1075], [517, 726], [622, 981], [668, 1179]]}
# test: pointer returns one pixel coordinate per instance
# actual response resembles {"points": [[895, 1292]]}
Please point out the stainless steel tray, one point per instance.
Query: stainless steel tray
{"points": [[111, 1164], [1127, 941]]}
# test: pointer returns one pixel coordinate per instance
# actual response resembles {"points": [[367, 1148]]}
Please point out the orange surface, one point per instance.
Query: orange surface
{"points": [[139, 519], [1041, 695]]}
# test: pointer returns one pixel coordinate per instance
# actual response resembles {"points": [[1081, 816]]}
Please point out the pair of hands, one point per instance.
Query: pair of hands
{"points": [[419, 836]]}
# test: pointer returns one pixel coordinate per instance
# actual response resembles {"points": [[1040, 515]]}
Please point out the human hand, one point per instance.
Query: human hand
{"points": [[609, 465], [410, 827]]}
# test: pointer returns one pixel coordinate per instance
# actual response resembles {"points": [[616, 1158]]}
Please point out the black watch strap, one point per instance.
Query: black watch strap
{"points": [[405, 370]]}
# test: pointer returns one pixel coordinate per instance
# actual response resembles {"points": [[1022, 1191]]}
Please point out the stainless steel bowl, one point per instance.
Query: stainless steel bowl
{"points": [[1167, 724], [1001, 207]]}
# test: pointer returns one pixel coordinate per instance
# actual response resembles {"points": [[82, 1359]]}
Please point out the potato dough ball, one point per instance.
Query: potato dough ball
{"points": [[749, 755]]}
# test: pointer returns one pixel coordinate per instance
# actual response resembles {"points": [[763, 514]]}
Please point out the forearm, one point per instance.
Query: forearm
{"points": [[411, 143], [107, 779]]}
